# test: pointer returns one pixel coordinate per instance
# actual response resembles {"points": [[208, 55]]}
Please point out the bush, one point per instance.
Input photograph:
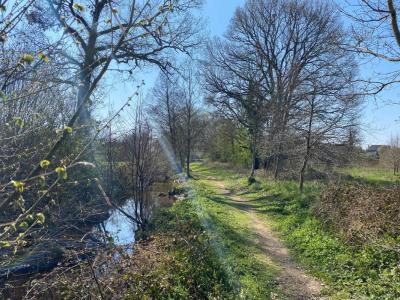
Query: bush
{"points": [[361, 213]]}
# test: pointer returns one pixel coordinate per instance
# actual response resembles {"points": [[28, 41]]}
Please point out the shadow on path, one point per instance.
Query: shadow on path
{"points": [[292, 279]]}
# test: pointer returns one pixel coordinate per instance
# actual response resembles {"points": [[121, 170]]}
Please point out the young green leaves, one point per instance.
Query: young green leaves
{"points": [[44, 164], [78, 6], [40, 218], [62, 172], [18, 185], [19, 122], [43, 57], [68, 129], [27, 58]]}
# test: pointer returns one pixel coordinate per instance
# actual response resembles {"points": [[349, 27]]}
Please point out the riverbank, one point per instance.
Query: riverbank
{"points": [[173, 260], [228, 240]]}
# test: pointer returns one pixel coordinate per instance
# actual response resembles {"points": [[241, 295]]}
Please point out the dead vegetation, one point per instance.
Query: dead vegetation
{"points": [[176, 262], [361, 213]]}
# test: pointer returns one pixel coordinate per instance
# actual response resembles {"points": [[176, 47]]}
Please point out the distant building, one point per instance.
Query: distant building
{"points": [[374, 150]]}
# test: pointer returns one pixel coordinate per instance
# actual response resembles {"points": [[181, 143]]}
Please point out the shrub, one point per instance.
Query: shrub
{"points": [[361, 213]]}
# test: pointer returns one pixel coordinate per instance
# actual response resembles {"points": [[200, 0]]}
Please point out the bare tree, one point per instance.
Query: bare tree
{"points": [[395, 153], [127, 33], [176, 111], [165, 111], [191, 121], [376, 34], [325, 118], [141, 156], [12, 12], [234, 91], [281, 46]]}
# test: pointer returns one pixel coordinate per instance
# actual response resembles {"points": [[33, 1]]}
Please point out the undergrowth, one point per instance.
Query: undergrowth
{"points": [[177, 261]]}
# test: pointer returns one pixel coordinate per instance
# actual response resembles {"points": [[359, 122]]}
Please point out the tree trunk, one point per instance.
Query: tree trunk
{"points": [[302, 171], [276, 171], [188, 158], [253, 150], [253, 165], [84, 86], [308, 146]]}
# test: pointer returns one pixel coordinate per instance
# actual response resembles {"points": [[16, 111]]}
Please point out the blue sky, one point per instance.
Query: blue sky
{"points": [[379, 119]]}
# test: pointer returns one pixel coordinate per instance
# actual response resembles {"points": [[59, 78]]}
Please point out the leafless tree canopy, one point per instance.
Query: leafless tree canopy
{"points": [[375, 34], [281, 54]]}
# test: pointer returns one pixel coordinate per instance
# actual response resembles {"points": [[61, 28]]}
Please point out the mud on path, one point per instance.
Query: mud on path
{"points": [[292, 279]]}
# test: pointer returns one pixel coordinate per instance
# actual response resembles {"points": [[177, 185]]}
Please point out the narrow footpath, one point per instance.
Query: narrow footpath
{"points": [[291, 279]]}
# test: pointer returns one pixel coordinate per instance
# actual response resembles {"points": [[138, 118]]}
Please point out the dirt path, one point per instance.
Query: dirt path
{"points": [[294, 281]]}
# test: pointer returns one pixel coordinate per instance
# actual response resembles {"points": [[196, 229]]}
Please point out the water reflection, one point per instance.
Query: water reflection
{"points": [[121, 228]]}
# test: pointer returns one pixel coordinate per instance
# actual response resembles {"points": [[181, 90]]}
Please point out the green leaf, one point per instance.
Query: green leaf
{"points": [[43, 57], [19, 122], [62, 172], [27, 58], [44, 164], [68, 129], [78, 6], [29, 218], [18, 185], [40, 218], [5, 244], [24, 225], [143, 22], [42, 180]]}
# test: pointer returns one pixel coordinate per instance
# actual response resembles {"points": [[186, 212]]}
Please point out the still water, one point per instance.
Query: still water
{"points": [[121, 228]]}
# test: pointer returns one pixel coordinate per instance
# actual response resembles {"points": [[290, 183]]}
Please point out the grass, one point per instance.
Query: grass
{"points": [[228, 227], [374, 176], [362, 272]]}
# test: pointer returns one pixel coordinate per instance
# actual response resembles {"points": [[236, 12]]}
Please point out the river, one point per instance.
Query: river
{"points": [[121, 228], [44, 257]]}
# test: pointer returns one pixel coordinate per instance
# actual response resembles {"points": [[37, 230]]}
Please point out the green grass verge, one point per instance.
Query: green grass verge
{"points": [[365, 271], [374, 176], [228, 227], [189, 260]]}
